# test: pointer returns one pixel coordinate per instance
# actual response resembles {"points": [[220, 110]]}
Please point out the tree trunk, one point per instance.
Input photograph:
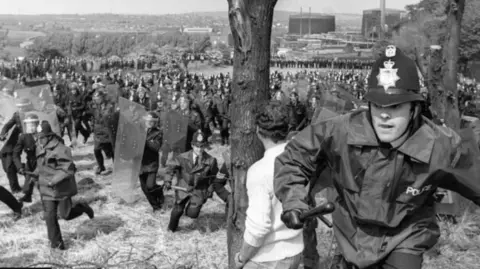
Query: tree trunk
{"points": [[251, 25], [450, 55], [447, 93]]}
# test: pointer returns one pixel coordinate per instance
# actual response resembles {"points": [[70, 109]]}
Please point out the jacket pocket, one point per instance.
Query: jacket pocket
{"points": [[66, 188]]}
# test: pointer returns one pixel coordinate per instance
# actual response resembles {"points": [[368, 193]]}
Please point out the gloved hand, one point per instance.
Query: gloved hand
{"points": [[210, 191], [190, 188], [291, 218], [3, 137], [21, 171], [167, 185]]}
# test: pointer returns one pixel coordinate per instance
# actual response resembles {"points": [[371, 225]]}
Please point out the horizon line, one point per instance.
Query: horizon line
{"points": [[160, 14]]}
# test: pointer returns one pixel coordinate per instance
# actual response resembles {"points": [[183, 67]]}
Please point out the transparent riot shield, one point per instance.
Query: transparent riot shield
{"points": [[129, 146], [329, 106], [113, 92], [41, 103], [175, 130]]}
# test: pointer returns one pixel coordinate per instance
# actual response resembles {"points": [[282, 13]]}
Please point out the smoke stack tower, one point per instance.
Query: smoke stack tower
{"points": [[382, 18], [309, 21], [301, 22]]}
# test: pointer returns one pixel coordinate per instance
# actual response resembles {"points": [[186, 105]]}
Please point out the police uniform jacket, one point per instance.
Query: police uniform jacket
{"points": [[76, 105], [55, 165], [153, 143], [14, 123], [384, 199], [103, 123], [27, 143], [199, 176]]}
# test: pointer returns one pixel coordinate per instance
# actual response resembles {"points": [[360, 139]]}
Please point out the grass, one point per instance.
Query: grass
{"points": [[131, 236]]}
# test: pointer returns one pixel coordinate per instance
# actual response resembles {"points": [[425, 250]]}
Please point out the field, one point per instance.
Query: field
{"points": [[17, 37], [132, 236]]}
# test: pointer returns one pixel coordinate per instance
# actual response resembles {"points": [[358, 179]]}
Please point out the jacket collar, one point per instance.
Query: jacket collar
{"points": [[418, 146]]}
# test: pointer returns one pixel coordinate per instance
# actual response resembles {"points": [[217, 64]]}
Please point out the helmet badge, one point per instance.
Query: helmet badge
{"points": [[387, 77], [390, 51]]}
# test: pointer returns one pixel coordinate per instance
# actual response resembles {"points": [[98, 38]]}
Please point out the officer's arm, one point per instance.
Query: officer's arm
{"points": [[17, 152], [223, 172], [155, 143], [213, 170], [462, 175], [296, 165], [172, 167]]}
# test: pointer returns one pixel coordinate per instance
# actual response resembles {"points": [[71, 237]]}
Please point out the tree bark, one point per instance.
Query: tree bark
{"points": [[445, 95], [451, 55], [251, 26]]}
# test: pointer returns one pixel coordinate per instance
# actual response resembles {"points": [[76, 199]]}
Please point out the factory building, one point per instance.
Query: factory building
{"points": [[371, 24], [307, 23]]}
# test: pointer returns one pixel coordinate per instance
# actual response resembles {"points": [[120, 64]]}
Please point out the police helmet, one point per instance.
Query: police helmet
{"points": [[98, 94], [199, 139], [393, 80], [151, 116], [31, 118]]}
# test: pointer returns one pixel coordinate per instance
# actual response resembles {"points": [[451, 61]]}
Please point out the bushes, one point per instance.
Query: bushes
{"points": [[110, 44]]}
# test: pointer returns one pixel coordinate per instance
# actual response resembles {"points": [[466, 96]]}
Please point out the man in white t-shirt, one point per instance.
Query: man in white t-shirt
{"points": [[268, 243]]}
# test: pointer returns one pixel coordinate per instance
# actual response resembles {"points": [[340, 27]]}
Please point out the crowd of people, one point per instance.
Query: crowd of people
{"points": [[381, 144]]}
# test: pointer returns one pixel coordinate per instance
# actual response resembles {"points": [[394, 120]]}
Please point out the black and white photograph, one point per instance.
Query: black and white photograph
{"points": [[240, 134]]}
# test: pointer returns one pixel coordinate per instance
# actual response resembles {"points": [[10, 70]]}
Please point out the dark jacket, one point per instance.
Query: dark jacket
{"points": [[55, 166], [27, 143], [385, 196], [199, 176], [153, 143], [14, 123], [103, 122]]}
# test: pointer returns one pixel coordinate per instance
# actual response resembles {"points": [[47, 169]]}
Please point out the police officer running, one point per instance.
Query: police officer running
{"points": [[387, 163], [151, 162], [27, 142], [55, 172]]}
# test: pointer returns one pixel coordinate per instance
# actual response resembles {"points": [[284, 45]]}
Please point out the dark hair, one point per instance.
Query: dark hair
{"points": [[272, 121]]}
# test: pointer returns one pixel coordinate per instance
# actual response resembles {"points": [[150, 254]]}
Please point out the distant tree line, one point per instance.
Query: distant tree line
{"points": [[113, 44]]}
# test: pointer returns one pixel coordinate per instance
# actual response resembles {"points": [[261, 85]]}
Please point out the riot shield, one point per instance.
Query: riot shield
{"points": [[113, 92], [42, 104], [7, 109], [175, 130], [328, 106], [129, 146]]}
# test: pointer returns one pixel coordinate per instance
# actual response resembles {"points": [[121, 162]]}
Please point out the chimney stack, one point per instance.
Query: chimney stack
{"points": [[382, 18], [301, 22], [309, 21]]}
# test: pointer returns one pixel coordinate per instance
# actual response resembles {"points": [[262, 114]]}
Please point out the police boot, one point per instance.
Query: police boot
{"points": [[87, 210], [100, 170], [17, 214], [177, 212]]}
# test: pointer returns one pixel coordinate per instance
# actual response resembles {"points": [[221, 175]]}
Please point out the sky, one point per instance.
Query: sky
{"points": [[181, 6]]}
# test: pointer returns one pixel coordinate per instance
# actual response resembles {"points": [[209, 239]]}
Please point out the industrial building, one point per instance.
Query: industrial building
{"points": [[371, 21], [311, 24]]}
